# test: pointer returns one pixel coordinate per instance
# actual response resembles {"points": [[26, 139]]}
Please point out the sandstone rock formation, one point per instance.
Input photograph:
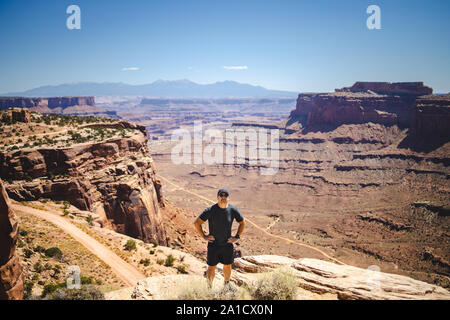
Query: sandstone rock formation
{"points": [[114, 178], [347, 282], [317, 277], [63, 105], [11, 276], [17, 114], [55, 102], [396, 88]]}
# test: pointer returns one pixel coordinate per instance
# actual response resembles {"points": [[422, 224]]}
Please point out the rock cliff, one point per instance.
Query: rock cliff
{"points": [[114, 178], [63, 105], [11, 275]]}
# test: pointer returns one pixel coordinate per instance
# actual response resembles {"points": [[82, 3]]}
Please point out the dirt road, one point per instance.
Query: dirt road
{"points": [[128, 273]]}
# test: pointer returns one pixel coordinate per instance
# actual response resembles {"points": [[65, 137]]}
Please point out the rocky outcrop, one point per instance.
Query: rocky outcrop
{"points": [[114, 178], [431, 117], [348, 282], [16, 115], [318, 279], [11, 275], [55, 102], [396, 88], [61, 105], [352, 108], [378, 102]]}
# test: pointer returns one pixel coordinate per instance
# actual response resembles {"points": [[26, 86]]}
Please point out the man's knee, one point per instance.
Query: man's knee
{"points": [[227, 266], [211, 269]]}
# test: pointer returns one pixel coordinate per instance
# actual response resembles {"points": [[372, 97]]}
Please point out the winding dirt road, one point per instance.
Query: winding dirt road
{"points": [[128, 273]]}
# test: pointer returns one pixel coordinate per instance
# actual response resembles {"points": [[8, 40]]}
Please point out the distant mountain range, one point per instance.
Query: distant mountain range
{"points": [[160, 88]]}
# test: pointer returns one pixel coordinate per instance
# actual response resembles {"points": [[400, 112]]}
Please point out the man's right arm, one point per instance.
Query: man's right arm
{"points": [[198, 226]]}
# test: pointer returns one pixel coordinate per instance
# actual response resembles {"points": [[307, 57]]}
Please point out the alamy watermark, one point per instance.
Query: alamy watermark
{"points": [[374, 20], [74, 20], [213, 146], [73, 280]]}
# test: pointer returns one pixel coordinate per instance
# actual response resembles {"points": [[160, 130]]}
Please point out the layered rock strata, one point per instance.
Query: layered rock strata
{"points": [[115, 179]]}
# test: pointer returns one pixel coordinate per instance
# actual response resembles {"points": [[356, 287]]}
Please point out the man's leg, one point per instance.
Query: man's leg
{"points": [[210, 273], [226, 272]]}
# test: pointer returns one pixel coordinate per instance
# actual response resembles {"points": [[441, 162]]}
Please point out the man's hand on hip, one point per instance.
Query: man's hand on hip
{"points": [[232, 240], [209, 238]]}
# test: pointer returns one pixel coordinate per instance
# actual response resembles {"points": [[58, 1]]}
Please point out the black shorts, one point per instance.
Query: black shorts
{"points": [[219, 253]]}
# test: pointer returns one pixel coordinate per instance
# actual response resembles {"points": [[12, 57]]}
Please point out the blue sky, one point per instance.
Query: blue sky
{"points": [[298, 45]]}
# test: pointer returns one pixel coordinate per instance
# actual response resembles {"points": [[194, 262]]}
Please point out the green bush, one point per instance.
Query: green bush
{"points": [[38, 267], [280, 284], [182, 269], [169, 261], [28, 253], [50, 288], [53, 252], [28, 288], [130, 245], [38, 248]]}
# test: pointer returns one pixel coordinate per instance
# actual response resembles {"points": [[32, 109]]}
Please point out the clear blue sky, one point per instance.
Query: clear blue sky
{"points": [[298, 45]]}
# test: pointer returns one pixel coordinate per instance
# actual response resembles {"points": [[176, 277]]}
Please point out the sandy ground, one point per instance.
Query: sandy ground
{"points": [[129, 274]]}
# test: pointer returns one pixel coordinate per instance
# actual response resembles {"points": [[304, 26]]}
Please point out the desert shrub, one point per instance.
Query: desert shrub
{"points": [[89, 219], [86, 280], [28, 288], [160, 261], [28, 253], [280, 284], [23, 233], [38, 267], [50, 288], [155, 244], [181, 268], [53, 252], [145, 262], [39, 248], [130, 245], [88, 292], [198, 289], [169, 261]]}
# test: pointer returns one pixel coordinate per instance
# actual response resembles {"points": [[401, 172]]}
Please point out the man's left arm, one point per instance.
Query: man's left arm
{"points": [[241, 227]]}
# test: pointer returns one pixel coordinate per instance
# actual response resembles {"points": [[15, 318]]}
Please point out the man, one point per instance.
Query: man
{"points": [[220, 241]]}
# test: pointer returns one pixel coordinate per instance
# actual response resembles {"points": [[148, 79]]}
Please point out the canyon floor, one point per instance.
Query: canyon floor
{"points": [[355, 192]]}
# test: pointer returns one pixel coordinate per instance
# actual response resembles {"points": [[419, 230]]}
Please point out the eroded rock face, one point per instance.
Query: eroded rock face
{"points": [[431, 117], [11, 276], [378, 102], [114, 178], [17, 115], [346, 281], [55, 102], [396, 88]]}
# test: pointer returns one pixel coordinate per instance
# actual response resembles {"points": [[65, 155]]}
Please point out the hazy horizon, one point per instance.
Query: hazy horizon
{"points": [[297, 46]]}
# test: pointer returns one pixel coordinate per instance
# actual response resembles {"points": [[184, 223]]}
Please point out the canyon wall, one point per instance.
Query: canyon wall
{"points": [[114, 178], [54, 102], [11, 272], [406, 104]]}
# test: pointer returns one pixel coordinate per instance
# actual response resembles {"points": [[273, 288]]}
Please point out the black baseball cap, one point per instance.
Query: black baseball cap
{"points": [[223, 191]]}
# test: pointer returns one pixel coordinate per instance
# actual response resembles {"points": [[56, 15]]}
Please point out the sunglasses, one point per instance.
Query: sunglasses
{"points": [[223, 195]]}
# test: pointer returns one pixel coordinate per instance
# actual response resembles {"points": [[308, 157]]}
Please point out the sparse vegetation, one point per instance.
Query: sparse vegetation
{"points": [[280, 284], [130, 245], [169, 261]]}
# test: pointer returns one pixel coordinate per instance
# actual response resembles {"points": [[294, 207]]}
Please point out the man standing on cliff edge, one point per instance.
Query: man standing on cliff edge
{"points": [[220, 241]]}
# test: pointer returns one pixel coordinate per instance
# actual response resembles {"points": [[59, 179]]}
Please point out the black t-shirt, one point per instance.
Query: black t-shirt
{"points": [[220, 221]]}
